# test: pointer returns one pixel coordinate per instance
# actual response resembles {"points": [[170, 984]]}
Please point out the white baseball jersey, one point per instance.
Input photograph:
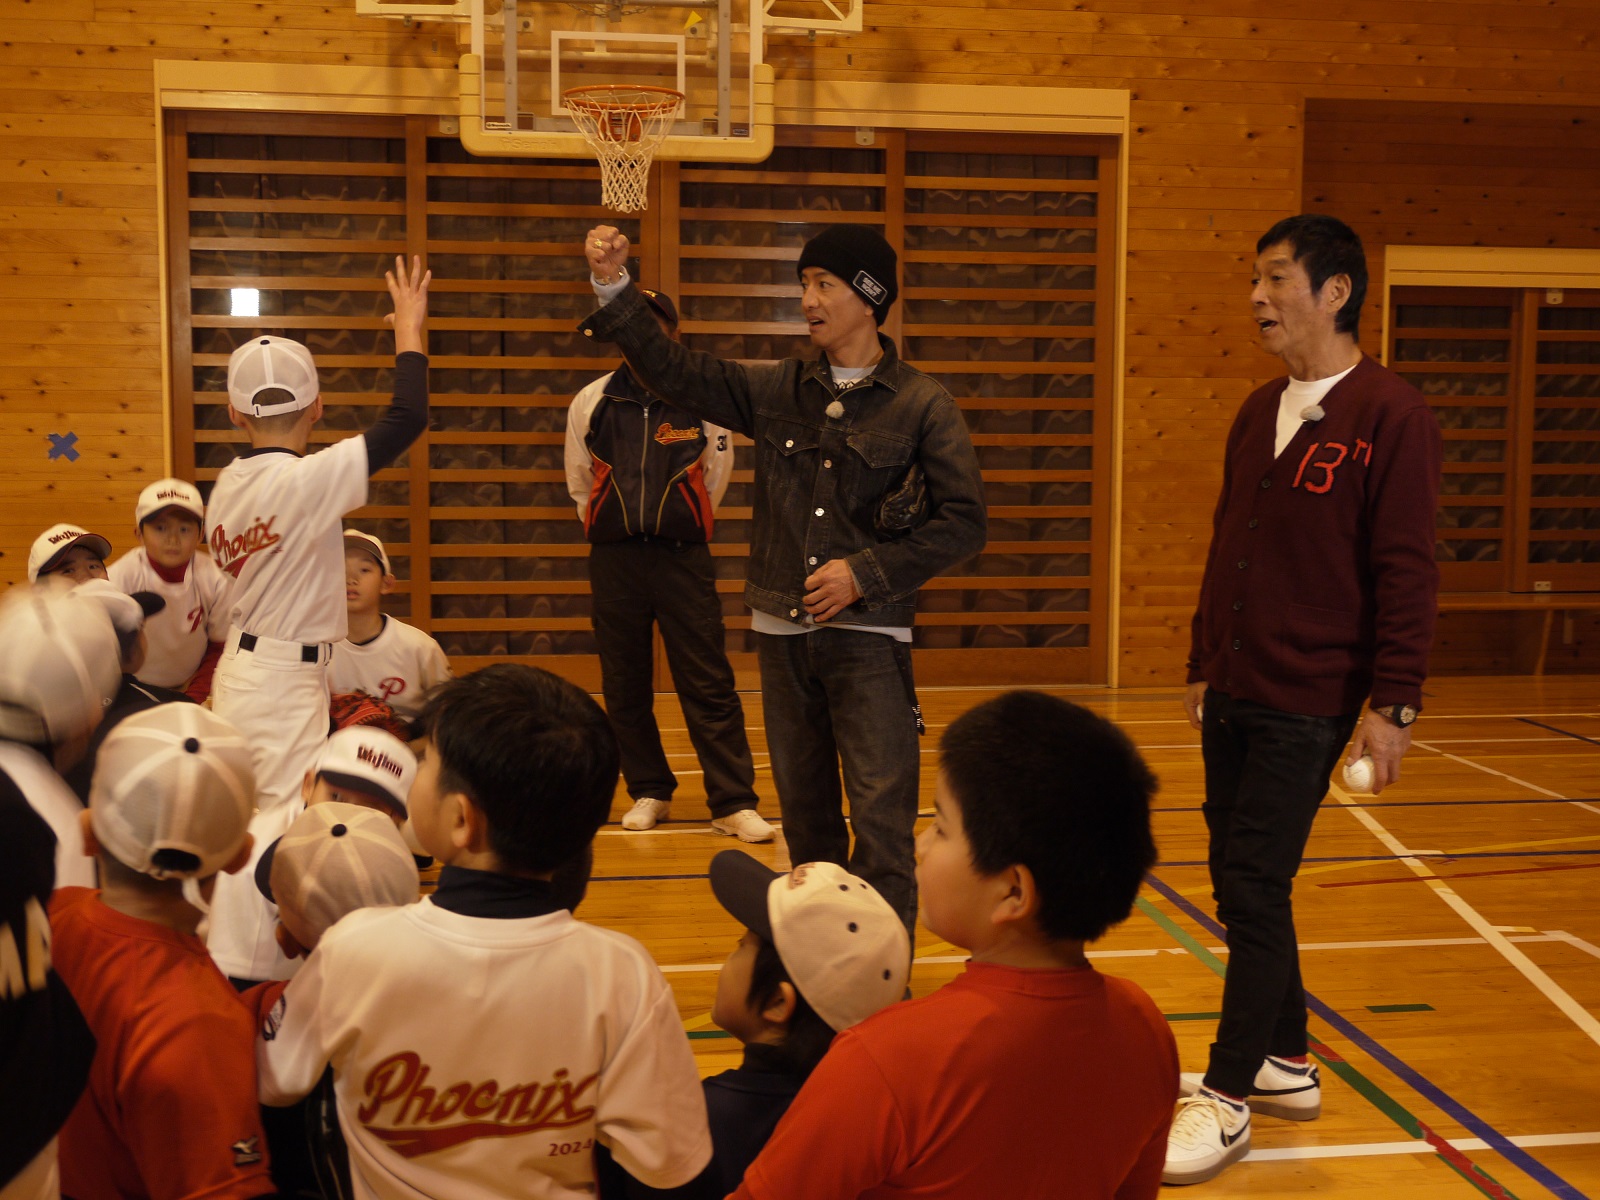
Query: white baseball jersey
{"points": [[398, 667], [481, 1058], [195, 615], [275, 524]]}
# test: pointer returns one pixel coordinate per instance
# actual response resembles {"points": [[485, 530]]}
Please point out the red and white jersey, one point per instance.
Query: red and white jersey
{"points": [[482, 1058], [275, 524], [196, 614], [398, 667]]}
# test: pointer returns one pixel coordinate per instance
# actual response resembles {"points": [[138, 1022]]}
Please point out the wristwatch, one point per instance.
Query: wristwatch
{"points": [[1401, 714]]}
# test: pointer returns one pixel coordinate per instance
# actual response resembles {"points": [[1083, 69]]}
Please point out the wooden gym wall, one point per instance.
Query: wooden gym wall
{"points": [[1219, 93]]}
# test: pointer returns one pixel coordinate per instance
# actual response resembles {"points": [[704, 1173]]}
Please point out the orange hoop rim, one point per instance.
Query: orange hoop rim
{"points": [[663, 99]]}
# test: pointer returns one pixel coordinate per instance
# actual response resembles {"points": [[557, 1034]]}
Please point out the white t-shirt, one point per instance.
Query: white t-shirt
{"points": [[481, 1058], [1297, 397], [275, 524], [196, 614], [398, 667]]}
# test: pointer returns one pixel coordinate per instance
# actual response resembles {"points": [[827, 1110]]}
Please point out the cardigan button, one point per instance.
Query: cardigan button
{"points": [[1237, 605], [1235, 643], [1254, 522], [1266, 483], [1243, 563]]}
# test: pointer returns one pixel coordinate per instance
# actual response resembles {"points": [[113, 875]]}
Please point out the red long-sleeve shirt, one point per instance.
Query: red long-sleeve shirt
{"points": [[1320, 588]]}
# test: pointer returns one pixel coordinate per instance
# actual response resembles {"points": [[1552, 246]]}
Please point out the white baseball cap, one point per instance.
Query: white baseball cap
{"points": [[368, 759], [845, 948], [334, 859], [371, 545], [127, 611], [50, 545], [272, 362], [169, 493], [175, 777], [61, 665]]}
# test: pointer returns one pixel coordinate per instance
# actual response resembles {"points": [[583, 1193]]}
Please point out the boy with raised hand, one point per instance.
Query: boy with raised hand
{"points": [[185, 638], [574, 1037], [170, 1109], [381, 656], [275, 527], [821, 952], [1031, 1075], [866, 487]]}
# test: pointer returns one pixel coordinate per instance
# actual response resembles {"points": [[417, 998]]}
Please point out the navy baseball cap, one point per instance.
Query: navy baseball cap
{"points": [[663, 304]]}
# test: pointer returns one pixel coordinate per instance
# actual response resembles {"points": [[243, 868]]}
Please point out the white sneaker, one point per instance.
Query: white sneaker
{"points": [[746, 825], [1288, 1091], [1207, 1134], [646, 811]]}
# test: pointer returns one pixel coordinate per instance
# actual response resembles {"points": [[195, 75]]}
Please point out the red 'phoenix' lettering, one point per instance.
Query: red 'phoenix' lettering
{"points": [[232, 552], [418, 1117]]}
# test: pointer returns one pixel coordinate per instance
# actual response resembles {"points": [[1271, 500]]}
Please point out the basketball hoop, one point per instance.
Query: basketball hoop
{"points": [[623, 124]]}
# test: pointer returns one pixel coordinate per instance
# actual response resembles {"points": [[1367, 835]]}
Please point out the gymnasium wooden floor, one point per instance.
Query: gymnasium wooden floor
{"points": [[1450, 939]]}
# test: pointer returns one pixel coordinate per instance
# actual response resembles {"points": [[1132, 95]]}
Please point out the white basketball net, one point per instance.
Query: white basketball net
{"points": [[624, 125]]}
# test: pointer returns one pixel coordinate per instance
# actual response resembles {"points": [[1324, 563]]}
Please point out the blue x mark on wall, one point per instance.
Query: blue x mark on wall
{"points": [[61, 446]]}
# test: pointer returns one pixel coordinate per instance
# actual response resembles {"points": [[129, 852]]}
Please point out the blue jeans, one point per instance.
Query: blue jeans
{"points": [[1266, 775], [838, 698]]}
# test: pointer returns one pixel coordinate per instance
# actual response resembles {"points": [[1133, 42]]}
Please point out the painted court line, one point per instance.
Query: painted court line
{"points": [[1381, 1100], [1532, 787], [1575, 1012], [1376, 1149]]}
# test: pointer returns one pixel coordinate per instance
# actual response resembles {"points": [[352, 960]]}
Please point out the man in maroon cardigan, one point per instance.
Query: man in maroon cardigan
{"points": [[1315, 618]]}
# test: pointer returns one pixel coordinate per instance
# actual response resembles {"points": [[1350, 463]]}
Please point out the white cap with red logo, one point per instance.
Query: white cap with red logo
{"points": [[50, 545], [366, 759], [169, 493]]}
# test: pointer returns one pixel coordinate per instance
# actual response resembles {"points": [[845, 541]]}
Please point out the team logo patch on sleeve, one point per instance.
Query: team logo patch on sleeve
{"points": [[274, 1020], [247, 1152]]}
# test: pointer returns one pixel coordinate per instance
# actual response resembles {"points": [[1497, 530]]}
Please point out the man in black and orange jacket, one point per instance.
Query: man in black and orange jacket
{"points": [[646, 477]]}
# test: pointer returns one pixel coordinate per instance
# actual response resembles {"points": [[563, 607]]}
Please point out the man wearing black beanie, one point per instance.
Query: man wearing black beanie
{"points": [[866, 486]]}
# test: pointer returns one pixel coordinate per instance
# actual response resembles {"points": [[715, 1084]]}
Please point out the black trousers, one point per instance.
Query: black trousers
{"points": [[1266, 775], [637, 584]]}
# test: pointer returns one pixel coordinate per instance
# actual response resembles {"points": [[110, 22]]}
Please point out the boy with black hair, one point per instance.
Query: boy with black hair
{"points": [[821, 952], [1031, 1075], [170, 1109], [575, 1040], [275, 526]]}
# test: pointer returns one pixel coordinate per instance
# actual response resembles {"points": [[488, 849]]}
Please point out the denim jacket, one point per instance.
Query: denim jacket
{"points": [[820, 479]]}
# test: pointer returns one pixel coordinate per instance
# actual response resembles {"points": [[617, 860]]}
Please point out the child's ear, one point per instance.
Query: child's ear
{"points": [[91, 844], [389, 584], [288, 943], [236, 864], [780, 1009], [307, 786], [469, 828], [236, 417], [1019, 900]]}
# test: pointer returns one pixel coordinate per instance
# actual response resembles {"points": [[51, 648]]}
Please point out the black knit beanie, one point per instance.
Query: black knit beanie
{"points": [[858, 255]]}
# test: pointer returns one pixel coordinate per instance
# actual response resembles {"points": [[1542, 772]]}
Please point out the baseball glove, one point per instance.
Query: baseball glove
{"points": [[358, 708]]}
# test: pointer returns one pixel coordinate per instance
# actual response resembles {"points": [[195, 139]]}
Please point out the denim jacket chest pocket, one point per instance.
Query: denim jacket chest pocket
{"points": [[788, 454], [878, 462]]}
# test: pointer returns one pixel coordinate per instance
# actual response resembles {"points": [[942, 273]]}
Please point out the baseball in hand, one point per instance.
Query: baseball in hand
{"points": [[1358, 775]]}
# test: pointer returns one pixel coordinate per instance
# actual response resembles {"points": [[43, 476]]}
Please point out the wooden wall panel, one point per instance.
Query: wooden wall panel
{"points": [[1216, 154]]}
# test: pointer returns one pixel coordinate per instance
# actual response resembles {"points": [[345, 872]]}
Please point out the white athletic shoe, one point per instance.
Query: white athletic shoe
{"points": [[746, 825], [1288, 1091], [1207, 1134], [646, 811]]}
